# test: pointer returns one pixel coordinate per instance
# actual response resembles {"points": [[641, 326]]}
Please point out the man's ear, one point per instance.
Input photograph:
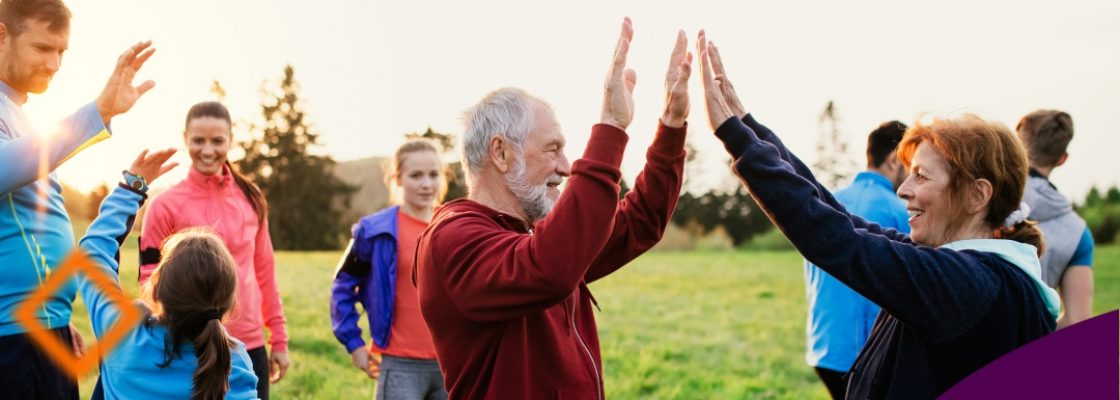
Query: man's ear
{"points": [[3, 32], [894, 162], [1062, 159], [500, 153]]}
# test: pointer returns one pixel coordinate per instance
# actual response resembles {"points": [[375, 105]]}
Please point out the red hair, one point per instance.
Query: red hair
{"points": [[978, 149]]}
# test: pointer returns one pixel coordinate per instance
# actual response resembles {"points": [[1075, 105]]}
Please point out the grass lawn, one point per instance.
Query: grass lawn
{"points": [[673, 325]]}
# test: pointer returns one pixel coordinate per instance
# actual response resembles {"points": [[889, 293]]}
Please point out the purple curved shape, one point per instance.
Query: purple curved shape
{"points": [[1081, 361]]}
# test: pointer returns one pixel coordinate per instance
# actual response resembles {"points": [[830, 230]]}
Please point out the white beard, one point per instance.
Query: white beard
{"points": [[534, 198]]}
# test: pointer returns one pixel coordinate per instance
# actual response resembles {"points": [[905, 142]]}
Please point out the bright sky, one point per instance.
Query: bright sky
{"points": [[371, 71]]}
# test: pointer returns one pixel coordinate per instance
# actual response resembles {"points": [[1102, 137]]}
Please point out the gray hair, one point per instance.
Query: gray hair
{"points": [[506, 112]]}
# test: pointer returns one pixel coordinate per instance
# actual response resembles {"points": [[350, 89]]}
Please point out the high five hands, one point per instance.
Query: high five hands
{"points": [[719, 94]]}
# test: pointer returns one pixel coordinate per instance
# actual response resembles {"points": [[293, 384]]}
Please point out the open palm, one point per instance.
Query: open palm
{"points": [[119, 94]]}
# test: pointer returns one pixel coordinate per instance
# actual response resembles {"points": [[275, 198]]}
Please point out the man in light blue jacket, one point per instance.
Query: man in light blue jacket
{"points": [[35, 232], [839, 319]]}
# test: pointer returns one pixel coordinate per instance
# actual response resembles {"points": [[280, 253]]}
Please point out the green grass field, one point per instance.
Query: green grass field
{"points": [[673, 325]]}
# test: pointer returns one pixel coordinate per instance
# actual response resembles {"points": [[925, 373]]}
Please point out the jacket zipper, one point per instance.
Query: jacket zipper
{"points": [[590, 358]]}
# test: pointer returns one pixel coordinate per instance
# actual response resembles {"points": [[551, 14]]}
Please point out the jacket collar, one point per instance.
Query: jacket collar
{"points": [[875, 178], [383, 222], [1020, 255], [16, 96], [466, 205], [210, 181]]}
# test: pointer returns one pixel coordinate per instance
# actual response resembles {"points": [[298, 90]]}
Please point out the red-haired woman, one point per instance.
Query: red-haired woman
{"points": [[963, 289]]}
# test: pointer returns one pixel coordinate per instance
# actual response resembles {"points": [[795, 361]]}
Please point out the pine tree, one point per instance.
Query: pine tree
{"points": [[833, 165], [306, 201]]}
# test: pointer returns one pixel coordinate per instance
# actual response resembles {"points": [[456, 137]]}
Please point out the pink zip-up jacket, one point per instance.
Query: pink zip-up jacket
{"points": [[215, 202]]}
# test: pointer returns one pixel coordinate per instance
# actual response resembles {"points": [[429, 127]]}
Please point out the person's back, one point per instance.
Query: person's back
{"points": [[133, 370], [179, 349], [839, 319], [1068, 260]]}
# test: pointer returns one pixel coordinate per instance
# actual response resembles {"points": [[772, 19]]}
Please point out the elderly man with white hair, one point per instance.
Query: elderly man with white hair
{"points": [[503, 274]]}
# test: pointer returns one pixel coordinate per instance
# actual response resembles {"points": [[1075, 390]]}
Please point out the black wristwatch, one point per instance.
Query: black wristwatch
{"points": [[135, 181]]}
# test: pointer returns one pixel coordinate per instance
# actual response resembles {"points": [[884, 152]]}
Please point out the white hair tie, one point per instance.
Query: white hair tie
{"points": [[1017, 216]]}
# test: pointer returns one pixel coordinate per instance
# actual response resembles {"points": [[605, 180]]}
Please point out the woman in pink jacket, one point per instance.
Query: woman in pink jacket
{"points": [[216, 197]]}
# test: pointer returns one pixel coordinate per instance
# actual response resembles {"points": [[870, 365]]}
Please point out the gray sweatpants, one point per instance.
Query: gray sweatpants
{"points": [[409, 379]]}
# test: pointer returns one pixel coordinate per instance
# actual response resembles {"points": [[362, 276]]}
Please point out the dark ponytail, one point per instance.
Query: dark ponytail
{"points": [[251, 192], [191, 289], [215, 109], [1026, 231], [211, 376]]}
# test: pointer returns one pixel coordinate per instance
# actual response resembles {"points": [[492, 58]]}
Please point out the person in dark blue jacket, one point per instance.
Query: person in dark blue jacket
{"points": [[376, 270], [963, 289]]}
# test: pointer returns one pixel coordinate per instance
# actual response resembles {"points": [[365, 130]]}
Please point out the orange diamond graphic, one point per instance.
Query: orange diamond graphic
{"points": [[62, 353]]}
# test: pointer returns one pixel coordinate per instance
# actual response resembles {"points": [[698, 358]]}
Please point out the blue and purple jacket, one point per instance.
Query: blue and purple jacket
{"points": [[367, 273]]}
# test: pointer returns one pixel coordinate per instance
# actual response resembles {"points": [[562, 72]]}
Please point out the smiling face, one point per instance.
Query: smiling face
{"points": [[208, 141], [420, 177], [31, 58], [541, 167], [927, 195]]}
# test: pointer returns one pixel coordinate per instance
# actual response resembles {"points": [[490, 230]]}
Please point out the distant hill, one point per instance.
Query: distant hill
{"points": [[372, 195]]}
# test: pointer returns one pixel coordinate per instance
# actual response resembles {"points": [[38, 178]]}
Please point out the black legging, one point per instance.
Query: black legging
{"points": [[259, 356]]}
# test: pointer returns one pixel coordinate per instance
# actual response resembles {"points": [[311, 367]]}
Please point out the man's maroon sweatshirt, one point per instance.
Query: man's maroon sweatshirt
{"points": [[508, 307]]}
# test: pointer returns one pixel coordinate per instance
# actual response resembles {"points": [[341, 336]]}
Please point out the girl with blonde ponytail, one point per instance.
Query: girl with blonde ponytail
{"points": [[180, 349]]}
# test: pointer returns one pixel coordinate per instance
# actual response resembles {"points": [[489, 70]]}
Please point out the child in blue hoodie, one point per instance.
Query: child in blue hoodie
{"points": [[180, 349]]}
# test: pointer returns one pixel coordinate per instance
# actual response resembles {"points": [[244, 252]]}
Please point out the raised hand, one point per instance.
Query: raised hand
{"points": [[718, 109], [152, 166], [676, 84], [618, 95], [119, 95], [729, 96]]}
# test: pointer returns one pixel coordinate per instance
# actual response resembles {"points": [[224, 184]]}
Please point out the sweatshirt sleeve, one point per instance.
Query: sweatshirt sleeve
{"points": [[159, 223], [494, 274], [938, 292], [344, 299], [26, 157], [102, 244], [272, 309], [644, 213]]}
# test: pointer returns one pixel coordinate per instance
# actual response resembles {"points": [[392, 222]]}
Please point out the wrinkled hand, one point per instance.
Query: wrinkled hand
{"points": [[718, 108], [277, 366], [676, 84], [370, 364], [152, 166], [618, 96], [119, 95], [729, 96], [77, 342]]}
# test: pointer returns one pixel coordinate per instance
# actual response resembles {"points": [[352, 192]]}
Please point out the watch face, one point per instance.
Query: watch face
{"points": [[136, 184]]}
